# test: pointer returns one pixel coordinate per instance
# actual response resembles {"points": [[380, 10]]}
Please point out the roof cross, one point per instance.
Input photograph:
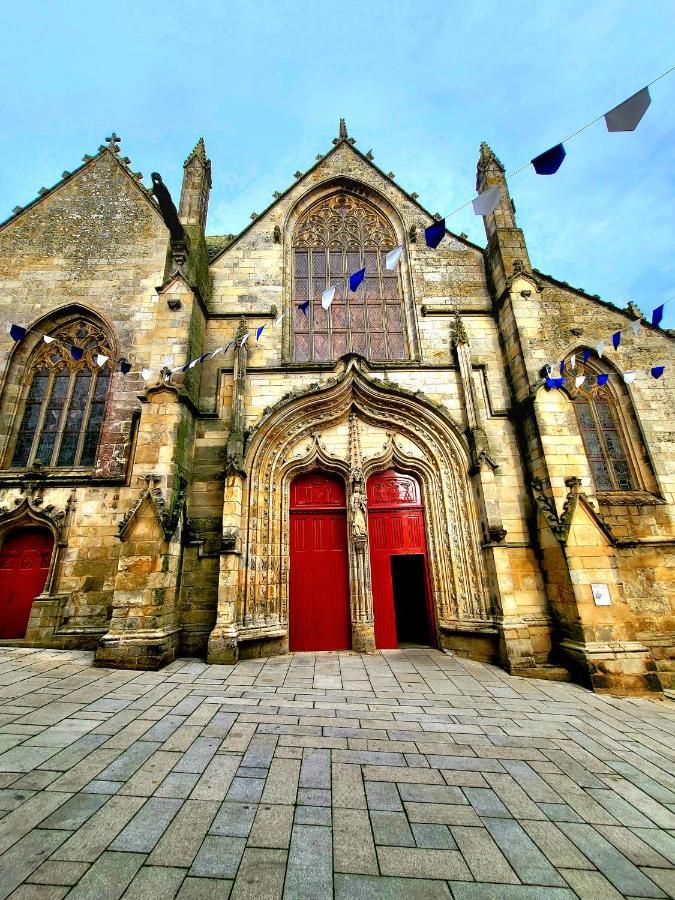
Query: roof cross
{"points": [[112, 142]]}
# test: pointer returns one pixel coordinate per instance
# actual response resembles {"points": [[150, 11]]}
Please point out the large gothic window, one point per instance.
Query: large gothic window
{"points": [[64, 402], [334, 238], [603, 441]]}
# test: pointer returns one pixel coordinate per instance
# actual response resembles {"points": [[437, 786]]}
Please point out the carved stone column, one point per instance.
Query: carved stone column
{"points": [[361, 592], [223, 641]]}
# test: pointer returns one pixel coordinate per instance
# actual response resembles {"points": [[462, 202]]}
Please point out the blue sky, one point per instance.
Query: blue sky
{"points": [[421, 83]]}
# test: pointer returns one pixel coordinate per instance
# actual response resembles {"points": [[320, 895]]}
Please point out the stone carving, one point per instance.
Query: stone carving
{"points": [[276, 235], [180, 242], [347, 222], [234, 450], [168, 516]]}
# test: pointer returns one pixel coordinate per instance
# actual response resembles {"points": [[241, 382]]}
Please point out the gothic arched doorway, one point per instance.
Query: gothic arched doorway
{"points": [[25, 556], [402, 605], [319, 617]]}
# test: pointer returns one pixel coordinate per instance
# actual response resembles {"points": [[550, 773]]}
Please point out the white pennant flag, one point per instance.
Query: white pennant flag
{"points": [[487, 202], [327, 297], [573, 362], [629, 377], [392, 258], [48, 340], [579, 380], [635, 327], [245, 338], [101, 359], [217, 351], [278, 320], [626, 116], [600, 348], [146, 374], [192, 364]]}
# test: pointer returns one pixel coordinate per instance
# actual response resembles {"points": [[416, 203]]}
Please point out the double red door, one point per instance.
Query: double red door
{"points": [[396, 531], [319, 616], [24, 564]]}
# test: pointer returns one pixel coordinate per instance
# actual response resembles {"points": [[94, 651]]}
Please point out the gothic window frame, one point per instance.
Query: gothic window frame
{"points": [[63, 401], [375, 321], [617, 429]]}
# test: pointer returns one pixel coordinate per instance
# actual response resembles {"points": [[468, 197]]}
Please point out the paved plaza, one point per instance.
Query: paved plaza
{"points": [[409, 774]]}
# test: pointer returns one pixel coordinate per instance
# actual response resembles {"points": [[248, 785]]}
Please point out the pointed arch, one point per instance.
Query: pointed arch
{"points": [[272, 459], [335, 229], [53, 406], [612, 438]]}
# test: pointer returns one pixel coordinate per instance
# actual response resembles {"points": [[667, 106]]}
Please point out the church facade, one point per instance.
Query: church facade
{"points": [[390, 470]]}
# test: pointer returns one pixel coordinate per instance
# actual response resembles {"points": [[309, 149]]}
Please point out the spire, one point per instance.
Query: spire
{"points": [[199, 153], [488, 159], [194, 195]]}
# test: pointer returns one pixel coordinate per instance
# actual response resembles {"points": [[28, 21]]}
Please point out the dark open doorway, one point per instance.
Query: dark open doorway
{"points": [[410, 599]]}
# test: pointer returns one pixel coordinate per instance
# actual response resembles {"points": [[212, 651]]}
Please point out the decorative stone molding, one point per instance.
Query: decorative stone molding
{"points": [[168, 517]]}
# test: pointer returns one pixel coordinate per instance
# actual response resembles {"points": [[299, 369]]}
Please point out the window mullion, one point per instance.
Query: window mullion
{"points": [[85, 418], [43, 414], [63, 418], [603, 446]]}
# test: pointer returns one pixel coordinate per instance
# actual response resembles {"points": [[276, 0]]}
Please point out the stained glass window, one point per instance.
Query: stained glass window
{"points": [[64, 406], [335, 238], [602, 442]]}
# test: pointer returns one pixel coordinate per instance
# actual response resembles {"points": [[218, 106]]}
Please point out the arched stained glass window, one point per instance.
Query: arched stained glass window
{"points": [[595, 408], [65, 400], [333, 239]]}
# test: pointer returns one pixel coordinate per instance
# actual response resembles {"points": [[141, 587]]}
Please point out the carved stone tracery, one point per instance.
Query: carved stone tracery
{"points": [[346, 222]]}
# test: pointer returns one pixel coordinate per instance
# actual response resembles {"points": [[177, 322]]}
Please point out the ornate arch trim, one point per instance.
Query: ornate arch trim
{"points": [[272, 460], [28, 511]]}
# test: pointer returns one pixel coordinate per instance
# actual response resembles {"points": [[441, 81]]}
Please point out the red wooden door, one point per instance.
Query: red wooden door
{"points": [[24, 563], [319, 616], [395, 526]]}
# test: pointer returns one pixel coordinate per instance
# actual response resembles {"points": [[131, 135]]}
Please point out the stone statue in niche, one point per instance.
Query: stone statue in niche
{"points": [[358, 506]]}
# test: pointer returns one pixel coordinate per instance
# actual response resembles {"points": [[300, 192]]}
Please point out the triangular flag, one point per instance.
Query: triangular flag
{"points": [[657, 315], [77, 353], [559, 382], [125, 367], [548, 162], [635, 327], [193, 363], [629, 377], [600, 348], [487, 202], [47, 339], [579, 380], [217, 351], [602, 379], [304, 307], [258, 332], [657, 371], [549, 368], [573, 362], [392, 258], [434, 234], [616, 339], [101, 359], [279, 320], [355, 279], [550, 383], [327, 297], [586, 355], [626, 116], [245, 338], [146, 374], [17, 332]]}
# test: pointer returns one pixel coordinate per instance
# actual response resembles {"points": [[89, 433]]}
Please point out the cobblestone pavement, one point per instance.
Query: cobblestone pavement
{"points": [[409, 774]]}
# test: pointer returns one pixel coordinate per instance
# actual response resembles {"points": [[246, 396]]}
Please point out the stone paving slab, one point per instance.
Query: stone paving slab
{"points": [[411, 773]]}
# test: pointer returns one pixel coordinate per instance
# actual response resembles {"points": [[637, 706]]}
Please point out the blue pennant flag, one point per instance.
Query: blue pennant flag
{"points": [[549, 162], [550, 383], [356, 279], [17, 332], [586, 355], [258, 332], [125, 367], [657, 315], [602, 379], [76, 353], [657, 371], [434, 234], [562, 366], [554, 383], [616, 339], [304, 307]]}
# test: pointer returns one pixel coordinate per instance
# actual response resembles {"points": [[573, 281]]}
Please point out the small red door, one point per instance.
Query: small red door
{"points": [[319, 585], [396, 528], [24, 563]]}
